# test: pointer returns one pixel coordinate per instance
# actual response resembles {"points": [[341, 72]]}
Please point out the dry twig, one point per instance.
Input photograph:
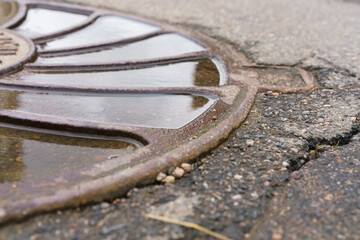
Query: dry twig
{"points": [[189, 225]]}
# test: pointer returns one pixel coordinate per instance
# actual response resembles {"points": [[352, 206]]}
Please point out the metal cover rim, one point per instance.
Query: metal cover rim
{"points": [[113, 177]]}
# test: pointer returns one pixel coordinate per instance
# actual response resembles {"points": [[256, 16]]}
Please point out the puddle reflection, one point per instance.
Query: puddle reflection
{"points": [[41, 22], [28, 156], [104, 29], [146, 110], [199, 73], [162, 46]]}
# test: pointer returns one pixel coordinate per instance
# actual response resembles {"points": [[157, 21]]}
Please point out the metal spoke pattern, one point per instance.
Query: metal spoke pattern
{"points": [[94, 102]]}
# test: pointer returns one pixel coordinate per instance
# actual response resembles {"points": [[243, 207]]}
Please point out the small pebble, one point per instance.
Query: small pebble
{"points": [[104, 205], [254, 195], [2, 212], [236, 197], [238, 177], [329, 197], [294, 150], [267, 184], [169, 180], [187, 167], [285, 164], [276, 236], [178, 172], [161, 176], [250, 143]]}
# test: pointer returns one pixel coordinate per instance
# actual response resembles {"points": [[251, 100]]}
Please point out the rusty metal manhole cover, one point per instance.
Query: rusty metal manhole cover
{"points": [[94, 102]]}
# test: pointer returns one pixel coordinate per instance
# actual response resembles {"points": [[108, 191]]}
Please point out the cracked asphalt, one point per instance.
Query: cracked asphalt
{"points": [[291, 171]]}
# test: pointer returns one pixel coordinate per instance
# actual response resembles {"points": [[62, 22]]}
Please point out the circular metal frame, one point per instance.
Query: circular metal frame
{"points": [[164, 148]]}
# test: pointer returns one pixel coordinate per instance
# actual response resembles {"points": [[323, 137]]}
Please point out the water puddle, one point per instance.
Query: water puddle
{"points": [[7, 11], [30, 156], [40, 22], [146, 110], [162, 46], [104, 29], [203, 72]]}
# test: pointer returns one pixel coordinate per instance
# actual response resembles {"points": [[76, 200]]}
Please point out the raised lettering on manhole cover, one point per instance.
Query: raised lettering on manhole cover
{"points": [[93, 102]]}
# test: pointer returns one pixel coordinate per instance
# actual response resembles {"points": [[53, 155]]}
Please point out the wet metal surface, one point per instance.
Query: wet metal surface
{"points": [[41, 22], [145, 110], [105, 28], [162, 46], [204, 72], [32, 156]]}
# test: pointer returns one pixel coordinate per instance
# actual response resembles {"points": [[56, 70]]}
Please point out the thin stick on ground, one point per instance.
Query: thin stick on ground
{"points": [[189, 225]]}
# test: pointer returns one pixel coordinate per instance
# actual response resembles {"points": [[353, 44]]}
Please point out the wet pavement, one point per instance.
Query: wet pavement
{"points": [[291, 171]]}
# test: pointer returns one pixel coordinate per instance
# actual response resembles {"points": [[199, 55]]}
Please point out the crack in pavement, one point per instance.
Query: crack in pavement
{"points": [[320, 202], [317, 146]]}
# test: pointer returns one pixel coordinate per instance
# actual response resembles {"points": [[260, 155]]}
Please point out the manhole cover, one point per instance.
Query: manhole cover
{"points": [[94, 102]]}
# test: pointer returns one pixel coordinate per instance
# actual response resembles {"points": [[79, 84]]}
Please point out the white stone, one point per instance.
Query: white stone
{"points": [[250, 143]]}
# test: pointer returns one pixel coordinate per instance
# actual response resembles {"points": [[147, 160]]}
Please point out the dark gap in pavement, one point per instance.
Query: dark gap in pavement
{"points": [[317, 146]]}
